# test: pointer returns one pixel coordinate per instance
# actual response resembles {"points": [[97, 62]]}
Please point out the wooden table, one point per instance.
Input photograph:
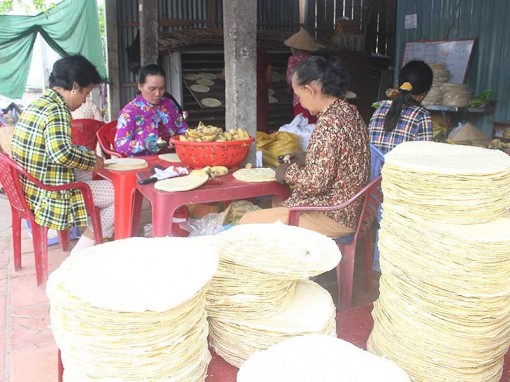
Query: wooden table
{"points": [[220, 189]]}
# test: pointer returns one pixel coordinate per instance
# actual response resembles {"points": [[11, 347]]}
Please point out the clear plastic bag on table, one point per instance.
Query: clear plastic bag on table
{"points": [[300, 126], [216, 222]]}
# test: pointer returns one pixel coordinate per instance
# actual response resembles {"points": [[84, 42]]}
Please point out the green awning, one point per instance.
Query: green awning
{"points": [[71, 27]]}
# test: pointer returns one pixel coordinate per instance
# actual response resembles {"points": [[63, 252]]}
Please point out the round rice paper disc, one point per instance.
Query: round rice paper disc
{"points": [[137, 274], [181, 183], [191, 76], [200, 88], [125, 164], [169, 157], [258, 174], [318, 358], [267, 248], [310, 310], [443, 158], [207, 75], [211, 102], [205, 82]]}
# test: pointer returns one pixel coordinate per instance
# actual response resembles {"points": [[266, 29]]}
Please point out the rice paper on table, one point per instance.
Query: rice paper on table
{"points": [[121, 310], [451, 183], [311, 311], [318, 358]]}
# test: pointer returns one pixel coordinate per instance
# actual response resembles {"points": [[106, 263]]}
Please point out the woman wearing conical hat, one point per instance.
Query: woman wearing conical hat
{"points": [[301, 45]]}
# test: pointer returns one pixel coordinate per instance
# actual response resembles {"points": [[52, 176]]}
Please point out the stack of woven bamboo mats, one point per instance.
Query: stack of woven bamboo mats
{"points": [[443, 312], [129, 310], [260, 294]]}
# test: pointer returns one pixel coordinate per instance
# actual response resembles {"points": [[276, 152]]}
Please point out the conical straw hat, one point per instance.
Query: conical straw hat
{"points": [[303, 41]]}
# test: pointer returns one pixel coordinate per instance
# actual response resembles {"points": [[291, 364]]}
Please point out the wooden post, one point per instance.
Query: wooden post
{"points": [[110, 9], [240, 40], [148, 16]]}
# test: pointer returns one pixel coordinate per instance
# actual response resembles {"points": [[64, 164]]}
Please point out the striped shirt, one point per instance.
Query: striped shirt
{"points": [[337, 164], [42, 145], [414, 124]]}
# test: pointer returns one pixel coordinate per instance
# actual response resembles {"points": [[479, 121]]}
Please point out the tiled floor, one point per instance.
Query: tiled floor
{"points": [[27, 350]]}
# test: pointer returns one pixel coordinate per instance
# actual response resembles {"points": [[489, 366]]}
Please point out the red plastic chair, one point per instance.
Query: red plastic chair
{"points": [[83, 132], [106, 138], [9, 178], [372, 196]]}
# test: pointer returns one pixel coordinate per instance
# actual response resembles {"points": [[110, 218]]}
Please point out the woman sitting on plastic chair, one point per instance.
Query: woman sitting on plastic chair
{"points": [[404, 119], [146, 124], [42, 145], [336, 164]]}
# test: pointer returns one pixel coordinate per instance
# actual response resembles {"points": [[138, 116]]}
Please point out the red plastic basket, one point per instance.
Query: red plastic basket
{"points": [[200, 154]]}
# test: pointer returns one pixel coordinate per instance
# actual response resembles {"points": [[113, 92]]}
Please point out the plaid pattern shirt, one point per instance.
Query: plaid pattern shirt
{"points": [[42, 145], [337, 164], [414, 124]]}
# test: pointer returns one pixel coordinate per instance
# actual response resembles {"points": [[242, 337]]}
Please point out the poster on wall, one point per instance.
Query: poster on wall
{"points": [[455, 54]]}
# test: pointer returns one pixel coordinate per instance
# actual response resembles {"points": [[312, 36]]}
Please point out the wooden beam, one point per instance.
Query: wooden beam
{"points": [[148, 17], [211, 13], [240, 41], [112, 58]]}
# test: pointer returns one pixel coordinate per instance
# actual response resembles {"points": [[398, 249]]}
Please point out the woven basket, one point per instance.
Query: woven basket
{"points": [[200, 154]]}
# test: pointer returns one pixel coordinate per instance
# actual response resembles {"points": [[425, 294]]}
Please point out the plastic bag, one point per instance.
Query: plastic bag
{"points": [[216, 222], [275, 144], [301, 128]]}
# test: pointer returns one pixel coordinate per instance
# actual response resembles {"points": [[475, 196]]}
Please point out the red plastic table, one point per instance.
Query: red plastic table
{"points": [[220, 189], [124, 183]]}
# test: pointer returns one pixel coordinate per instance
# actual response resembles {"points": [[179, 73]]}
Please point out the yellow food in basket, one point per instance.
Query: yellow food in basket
{"points": [[209, 133]]}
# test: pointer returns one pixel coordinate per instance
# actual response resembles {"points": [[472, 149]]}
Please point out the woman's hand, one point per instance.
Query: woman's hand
{"points": [[151, 144], [280, 172], [299, 158], [99, 165]]}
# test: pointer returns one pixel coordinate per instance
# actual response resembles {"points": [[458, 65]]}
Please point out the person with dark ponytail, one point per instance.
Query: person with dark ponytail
{"points": [[404, 119], [336, 164]]}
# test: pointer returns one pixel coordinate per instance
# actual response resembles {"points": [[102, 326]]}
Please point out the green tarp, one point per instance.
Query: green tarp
{"points": [[70, 27]]}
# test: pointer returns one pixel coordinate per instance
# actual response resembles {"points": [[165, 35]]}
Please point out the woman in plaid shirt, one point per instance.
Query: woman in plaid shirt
{"points": [[42, 145], [404, 119]]}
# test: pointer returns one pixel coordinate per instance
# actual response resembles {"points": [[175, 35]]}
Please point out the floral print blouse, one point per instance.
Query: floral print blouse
{"points": [[337, 164], [139, 120]]}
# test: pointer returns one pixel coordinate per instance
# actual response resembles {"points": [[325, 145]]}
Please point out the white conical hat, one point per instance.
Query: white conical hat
{"points": [[303, 41]]}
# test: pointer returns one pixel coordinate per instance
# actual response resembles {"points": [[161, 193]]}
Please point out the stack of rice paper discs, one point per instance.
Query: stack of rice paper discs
{"points": [[318, 358], [443, 312], [267, 248], [311, 311], [452, 183], [259, 266], [457, 95], [128, 311], [445, 291]]}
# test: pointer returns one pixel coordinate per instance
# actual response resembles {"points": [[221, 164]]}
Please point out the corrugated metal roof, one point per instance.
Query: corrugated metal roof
{"points": [[487, 22]]}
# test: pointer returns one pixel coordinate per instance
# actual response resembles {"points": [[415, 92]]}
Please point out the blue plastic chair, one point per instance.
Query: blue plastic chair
{"points": [[377, 161]]}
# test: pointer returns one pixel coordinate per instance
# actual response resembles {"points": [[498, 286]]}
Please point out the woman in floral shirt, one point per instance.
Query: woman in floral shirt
{"points": [[336, 164], [151, 115]]}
